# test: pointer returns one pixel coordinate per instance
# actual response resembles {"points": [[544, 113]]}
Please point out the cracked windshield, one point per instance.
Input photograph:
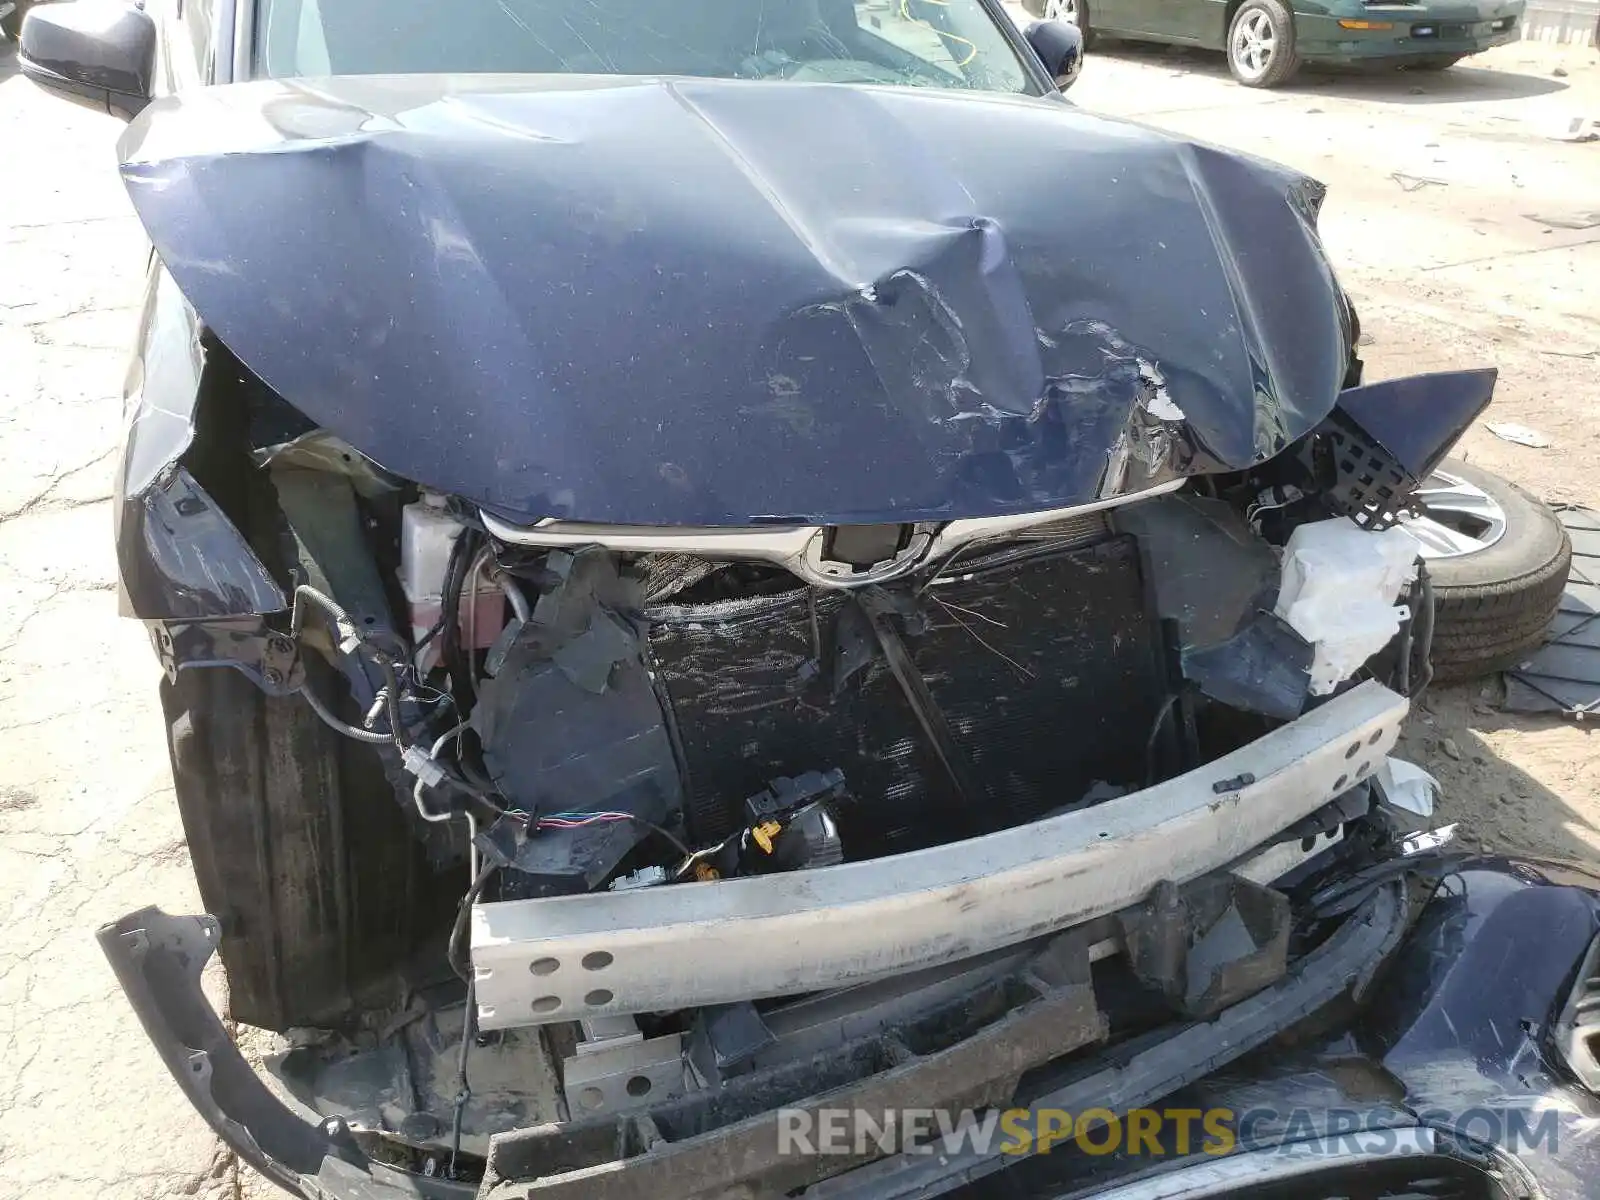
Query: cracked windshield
{"points": [[928, 43]]}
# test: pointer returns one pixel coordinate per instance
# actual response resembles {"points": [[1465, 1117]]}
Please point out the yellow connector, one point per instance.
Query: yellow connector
{"points": [[764, 833], [706, 873]]}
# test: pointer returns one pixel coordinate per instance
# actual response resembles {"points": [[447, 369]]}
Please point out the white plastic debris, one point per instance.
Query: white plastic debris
{"points": [[1340, 584], [1434, 839], [1571, 128], [1522, 435], [1407, 787]]}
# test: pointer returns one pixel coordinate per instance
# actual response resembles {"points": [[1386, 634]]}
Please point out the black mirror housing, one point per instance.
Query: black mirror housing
{"points": [[1059, 46], [99, 53]]}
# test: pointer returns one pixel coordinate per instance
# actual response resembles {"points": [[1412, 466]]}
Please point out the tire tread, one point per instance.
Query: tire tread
{"points": [[1492, 611]]}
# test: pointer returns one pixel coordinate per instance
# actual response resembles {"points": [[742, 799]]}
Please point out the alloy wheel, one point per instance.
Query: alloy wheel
{"points": [[1061, 10], [1254, 43], [1454, 517]]}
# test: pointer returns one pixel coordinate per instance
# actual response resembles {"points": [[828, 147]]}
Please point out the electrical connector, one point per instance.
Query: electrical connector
{"points": [[420, 763], [642, 878], [764, 834]]}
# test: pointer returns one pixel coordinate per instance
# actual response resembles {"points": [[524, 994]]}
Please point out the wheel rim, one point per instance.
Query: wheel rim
{"points": [[1061, 10], [1454, 518], [1254, 43]]}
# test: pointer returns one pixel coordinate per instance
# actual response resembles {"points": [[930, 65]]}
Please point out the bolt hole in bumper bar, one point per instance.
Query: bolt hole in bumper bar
{"points": [[694, 944]]}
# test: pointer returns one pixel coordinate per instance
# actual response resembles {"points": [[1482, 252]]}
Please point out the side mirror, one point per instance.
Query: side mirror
{"points": [[99, 53], [1059, 46]]}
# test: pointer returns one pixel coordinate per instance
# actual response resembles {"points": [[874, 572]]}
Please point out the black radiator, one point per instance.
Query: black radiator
{"points": [[1047, 664]]}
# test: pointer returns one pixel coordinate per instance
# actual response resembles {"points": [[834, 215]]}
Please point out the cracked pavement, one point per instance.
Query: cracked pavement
{"points": [[1454, 270], [88, 826]]}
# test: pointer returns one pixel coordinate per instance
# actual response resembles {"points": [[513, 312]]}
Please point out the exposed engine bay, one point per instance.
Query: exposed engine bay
{"points": [[623, 708], [720, 802], [634, 720]]}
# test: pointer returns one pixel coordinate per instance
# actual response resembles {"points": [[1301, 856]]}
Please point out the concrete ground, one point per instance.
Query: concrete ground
{"points": [[1463, 214], [1465, 224]]}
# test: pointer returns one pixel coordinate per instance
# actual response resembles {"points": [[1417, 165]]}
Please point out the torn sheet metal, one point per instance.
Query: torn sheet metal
{"points": [[1564, 675], [815, 304], [321, 451]]}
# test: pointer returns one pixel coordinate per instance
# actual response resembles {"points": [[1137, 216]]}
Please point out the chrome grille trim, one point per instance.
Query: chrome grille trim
{"points": [[798, 548]]}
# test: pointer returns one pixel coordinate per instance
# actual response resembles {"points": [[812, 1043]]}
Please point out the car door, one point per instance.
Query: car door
{"points": [[1157, 20], [1119, 16]]}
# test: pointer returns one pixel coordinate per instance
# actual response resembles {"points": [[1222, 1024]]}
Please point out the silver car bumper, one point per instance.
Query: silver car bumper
{"points": [[686, 945]]}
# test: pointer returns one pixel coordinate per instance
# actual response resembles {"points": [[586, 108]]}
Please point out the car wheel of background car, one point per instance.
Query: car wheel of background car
{"points": [[299, 847], [1434, 62], [1499, 561], [1261, 49], [1073, 12]]}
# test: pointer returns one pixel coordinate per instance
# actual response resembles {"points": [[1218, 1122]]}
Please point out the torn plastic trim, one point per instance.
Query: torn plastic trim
{"points": [[1050, 1011], [695, 944], [158, 961], [745, 1154], [1351, 956], [1418, 418], [800, 549], [181, 558]]}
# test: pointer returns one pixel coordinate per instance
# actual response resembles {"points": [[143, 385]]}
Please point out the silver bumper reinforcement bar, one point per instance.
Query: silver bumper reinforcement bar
{"points": [[691, 944]]}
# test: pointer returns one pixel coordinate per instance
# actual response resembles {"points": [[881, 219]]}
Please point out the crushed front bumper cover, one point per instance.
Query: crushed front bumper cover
{"points": [[689, 945], [158, 960], [1180, 830]]}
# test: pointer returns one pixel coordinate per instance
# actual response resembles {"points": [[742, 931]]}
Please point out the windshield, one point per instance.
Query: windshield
{"points": [[930, 43]]}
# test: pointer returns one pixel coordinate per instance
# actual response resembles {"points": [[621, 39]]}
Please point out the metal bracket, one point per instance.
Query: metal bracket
{"points": [[615, 1069], [331, 552], [270, 659]]}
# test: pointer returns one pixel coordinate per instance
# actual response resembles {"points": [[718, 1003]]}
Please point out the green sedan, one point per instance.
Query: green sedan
{"points": [[1267, 40]]}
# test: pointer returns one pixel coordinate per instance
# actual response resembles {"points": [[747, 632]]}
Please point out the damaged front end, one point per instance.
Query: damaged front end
{"points": [[738, 840], [916, 697]]}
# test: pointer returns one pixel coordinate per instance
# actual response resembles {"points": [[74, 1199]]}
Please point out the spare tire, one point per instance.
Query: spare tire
{"points": [[1499, 560]]}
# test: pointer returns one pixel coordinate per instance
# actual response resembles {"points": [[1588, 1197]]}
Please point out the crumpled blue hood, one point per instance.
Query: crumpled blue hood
{"points": [[716, 302]]}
